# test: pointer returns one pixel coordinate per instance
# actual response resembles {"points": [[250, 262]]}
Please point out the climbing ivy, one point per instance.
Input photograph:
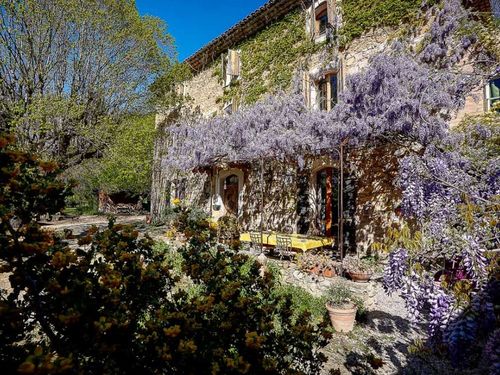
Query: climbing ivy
{"points": [[358, 17], [270, 58]]}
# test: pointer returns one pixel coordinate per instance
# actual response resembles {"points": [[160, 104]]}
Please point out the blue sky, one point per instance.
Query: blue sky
{"points": [[196, 22]]}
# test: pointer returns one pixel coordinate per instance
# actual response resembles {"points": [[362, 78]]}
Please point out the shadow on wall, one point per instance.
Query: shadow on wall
{"points": [[280, 198], [375, 171]]}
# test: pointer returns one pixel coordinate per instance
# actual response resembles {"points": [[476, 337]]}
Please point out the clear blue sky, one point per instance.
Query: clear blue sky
{"points": [[193, 23]]}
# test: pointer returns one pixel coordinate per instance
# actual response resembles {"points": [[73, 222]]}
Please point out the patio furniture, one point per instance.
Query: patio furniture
{"points": [[284, 246], [256, 240], [300, 242]]}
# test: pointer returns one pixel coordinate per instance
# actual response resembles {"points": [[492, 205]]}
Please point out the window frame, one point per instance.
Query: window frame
{"points": [[325, 84], [490, 100], [320, 16]]}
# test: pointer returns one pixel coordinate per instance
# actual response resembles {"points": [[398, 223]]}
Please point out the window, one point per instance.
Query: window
{"points": [[327, 92], [493, 94], [321, 22]]}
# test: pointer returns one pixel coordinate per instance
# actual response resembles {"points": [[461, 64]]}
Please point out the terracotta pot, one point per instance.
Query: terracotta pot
{"points": [[360, 277], [342, 318], [314, 270], [328, 272]]}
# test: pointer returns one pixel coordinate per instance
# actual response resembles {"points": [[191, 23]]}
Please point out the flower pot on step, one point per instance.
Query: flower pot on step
{"points": [[328, 272], [314, 270], [360, 277], [343, 317]]}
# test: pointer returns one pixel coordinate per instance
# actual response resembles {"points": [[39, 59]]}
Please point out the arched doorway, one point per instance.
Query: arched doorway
{"points": [[327, 207], [230, 194]]}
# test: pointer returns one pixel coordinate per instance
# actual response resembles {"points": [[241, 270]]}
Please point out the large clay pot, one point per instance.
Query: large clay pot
{"points": [[328, 272], [360, 277], [342, 318], [314, 270]]}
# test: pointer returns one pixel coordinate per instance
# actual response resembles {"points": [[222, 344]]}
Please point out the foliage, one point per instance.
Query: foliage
{"points": [[165, 91], [440, 260], [68, 66], [339, 295], [171, 258], [265, 68], [359, 17], [304, 302], [228, 231], [271, 329], [126, 164], [308, 261], [452, 192], [111, 305], [354, 263], [395, 98]]}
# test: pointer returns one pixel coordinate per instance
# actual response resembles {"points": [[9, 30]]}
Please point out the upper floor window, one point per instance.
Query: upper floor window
{"points": [[493, 94], [321, 20], [327, 92]]}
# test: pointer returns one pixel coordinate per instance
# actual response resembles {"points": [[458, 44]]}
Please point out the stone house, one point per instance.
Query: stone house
{"points": [[240, 67]]}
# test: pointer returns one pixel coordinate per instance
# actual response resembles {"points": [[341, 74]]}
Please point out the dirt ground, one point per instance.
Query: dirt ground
{"points": [[81, 223]]}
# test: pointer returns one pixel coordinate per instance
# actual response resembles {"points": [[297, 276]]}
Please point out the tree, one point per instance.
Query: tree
{"points": [[70, 67]]}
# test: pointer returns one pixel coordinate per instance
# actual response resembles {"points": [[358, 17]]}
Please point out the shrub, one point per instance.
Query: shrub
{"points": [[112, 305]]}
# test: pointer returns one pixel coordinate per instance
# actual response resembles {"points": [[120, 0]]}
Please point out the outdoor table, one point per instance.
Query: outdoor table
{"points": [[299, 241]]}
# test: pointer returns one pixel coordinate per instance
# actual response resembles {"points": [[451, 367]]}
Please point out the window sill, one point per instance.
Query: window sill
{"points": [[320, 38]]}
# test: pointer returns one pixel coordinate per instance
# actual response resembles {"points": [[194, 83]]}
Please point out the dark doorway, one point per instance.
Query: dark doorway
{"points": [[230, 194], [327, 201]]}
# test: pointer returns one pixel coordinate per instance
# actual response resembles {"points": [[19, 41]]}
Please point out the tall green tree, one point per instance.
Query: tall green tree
{"points": [[68, 68]]}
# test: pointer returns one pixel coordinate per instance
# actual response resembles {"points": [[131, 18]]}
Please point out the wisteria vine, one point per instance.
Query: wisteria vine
{"points": [[450, 185]]}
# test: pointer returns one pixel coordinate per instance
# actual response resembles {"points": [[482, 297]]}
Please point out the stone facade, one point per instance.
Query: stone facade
{"points": [[204, 89], [290, 198]]}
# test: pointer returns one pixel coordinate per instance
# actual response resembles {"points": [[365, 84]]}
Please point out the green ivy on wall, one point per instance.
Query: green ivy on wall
{"points": [[359, 17], [270, 58], [162, 92]]}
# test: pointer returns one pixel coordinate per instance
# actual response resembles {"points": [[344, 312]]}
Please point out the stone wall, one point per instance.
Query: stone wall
{"points": [[204, 89], [371, 172]]}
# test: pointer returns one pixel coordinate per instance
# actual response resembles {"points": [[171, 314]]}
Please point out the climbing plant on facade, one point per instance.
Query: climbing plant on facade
{"points": [[449, 191]]}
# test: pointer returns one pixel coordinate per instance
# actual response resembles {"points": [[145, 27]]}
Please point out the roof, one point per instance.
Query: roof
{"points": [[250, 25]]}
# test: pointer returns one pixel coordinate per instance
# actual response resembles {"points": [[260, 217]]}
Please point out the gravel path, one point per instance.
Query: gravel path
{"points": [[80, 224], [378, 345]]}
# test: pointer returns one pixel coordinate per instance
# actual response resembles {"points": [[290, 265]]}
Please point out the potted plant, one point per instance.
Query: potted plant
{"points": [[342, 306], [327, 266], [360, 269], [309, 263]]}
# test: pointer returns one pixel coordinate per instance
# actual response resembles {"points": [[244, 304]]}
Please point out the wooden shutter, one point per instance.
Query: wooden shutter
{"points": [[330, 11], [340, 75], [306, 89], [224, 67], [233, 63], [312, 21]]}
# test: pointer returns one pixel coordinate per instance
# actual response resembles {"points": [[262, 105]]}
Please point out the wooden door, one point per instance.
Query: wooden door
{"points": [[327, 207], [230, 194]]}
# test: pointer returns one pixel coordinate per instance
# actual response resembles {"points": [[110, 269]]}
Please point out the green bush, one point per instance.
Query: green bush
{"points": [[304, 302], [112, 304]]}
